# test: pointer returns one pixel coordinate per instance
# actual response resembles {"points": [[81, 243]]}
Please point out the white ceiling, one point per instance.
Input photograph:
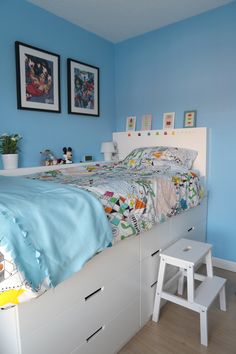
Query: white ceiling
{"points": [[117, 20]]}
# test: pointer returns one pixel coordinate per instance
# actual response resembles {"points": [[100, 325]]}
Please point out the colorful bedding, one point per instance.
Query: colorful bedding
{"points": [[44, 250], [133, 200]]}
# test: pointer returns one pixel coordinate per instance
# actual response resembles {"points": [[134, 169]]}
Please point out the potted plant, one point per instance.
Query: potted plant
{"points": [[9, 148]]}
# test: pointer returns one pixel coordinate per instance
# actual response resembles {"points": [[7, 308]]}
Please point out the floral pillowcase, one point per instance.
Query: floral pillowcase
{"points": [[159, 156]]}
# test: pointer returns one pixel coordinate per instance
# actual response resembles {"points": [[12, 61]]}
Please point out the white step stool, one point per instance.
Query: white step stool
{"points": [[188, 255]]}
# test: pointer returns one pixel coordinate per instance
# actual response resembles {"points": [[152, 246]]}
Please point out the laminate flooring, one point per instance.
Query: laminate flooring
{"points": [[178, 331]]}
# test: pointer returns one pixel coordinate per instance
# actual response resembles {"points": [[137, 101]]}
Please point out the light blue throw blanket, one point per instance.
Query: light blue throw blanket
{"points": [[50, 229]]}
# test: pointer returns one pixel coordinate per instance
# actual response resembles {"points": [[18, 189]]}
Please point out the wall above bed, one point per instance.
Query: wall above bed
{"points": [[22, 21], [185, 66]]}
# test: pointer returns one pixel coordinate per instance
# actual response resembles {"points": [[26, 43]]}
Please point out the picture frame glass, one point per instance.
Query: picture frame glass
{"points": [[38, 80], [83, 88], [168, 120], [190, 119], [130, 123], [146, 122]]}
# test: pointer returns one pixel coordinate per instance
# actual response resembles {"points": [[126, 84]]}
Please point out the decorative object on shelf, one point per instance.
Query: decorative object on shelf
{"points": [[67, 155], [87, 158], [130, 123], [9, 148], [108, 149], [169, 120], [147, 122], [48, 158], [38, 79], [83, 88], [190, 119]]}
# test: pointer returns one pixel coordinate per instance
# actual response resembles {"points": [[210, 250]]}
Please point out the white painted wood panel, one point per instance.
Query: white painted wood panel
{"points": [[153, 240], [191, 223], [115, 334], [79, 322]]}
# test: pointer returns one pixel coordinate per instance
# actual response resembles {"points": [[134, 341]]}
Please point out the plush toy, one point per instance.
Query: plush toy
{"points": [[67, 155], [48, 158]]}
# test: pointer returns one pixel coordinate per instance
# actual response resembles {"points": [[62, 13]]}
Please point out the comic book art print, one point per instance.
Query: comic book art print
{"points": [[83, 88], [38, 78]]}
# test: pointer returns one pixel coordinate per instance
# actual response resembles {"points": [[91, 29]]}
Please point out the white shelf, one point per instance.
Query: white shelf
{"points": [[30, 170]]}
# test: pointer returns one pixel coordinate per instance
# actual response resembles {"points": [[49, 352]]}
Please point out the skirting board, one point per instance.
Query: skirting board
{"points": [[224, 264]]}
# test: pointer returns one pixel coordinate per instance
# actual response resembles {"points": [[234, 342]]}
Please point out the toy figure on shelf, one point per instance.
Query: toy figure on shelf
{"points": [[48, 158], [67, 155]]}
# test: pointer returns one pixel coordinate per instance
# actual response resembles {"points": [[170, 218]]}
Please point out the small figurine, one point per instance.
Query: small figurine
{"points": [[48, 158], [67, 155]]}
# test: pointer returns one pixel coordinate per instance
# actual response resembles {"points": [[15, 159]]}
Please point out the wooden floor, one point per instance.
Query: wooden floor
{"points": [[178, 329]]}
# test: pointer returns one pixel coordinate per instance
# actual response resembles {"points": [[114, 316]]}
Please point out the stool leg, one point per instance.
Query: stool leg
{"points": [[203, 327], [160, 281], [181, 283], [209, 264], [222, 299], [190, 284]]}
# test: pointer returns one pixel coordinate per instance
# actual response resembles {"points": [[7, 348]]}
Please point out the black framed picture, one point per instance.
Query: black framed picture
{"points": [[83, 88], [38, 78]]}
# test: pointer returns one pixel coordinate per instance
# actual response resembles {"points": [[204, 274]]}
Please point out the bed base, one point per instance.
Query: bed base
{"points": [[100, 308]]}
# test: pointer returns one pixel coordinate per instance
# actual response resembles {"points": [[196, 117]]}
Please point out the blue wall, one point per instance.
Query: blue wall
{"points": [[27, 23], [190, 65]]}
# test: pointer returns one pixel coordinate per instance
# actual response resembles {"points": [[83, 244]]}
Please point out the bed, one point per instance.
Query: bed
{"points": [[101, 307]]}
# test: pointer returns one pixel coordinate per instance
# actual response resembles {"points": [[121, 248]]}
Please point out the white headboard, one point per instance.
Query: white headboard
{"points": [[191, 138]]}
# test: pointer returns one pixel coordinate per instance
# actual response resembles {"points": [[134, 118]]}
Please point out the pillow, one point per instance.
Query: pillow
{"points": [[159, 155]]}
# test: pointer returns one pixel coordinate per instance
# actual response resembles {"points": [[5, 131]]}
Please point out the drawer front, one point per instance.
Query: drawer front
{"points": [[73, 326], [155, 239], [148, 295], [113, 336], [190, 223], [149, 270], [8, 334], [147, 302], [98, 272]]}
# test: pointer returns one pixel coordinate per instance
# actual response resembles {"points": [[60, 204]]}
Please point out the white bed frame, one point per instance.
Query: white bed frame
{"points": [[101, 307]]}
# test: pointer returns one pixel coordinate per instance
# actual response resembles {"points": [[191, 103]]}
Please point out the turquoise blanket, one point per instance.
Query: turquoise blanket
{"points": [[50, 229]]}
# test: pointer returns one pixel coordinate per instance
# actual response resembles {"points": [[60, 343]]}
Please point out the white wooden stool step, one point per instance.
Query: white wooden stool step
{"points": [[187, 255], [208, 290]]}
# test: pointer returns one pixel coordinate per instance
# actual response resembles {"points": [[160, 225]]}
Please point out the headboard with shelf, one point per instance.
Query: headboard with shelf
{"points": [[191, 138]]}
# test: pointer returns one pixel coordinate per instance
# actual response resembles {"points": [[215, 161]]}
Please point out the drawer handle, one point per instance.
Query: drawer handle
{"points": [[155, 282], [154, 253], [93, 293], [96, 332], [191, 229]]}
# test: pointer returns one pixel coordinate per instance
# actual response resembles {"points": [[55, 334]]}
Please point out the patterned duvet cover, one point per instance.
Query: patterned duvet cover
{"points": [[133, 200]]}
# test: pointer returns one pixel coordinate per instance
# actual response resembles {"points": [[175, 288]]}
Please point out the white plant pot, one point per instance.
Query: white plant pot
{"points": [[10, 161]]}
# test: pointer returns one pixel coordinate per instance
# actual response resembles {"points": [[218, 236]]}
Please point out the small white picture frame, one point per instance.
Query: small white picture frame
{"points": [[146, 122], [130, 123], [169, 120]]}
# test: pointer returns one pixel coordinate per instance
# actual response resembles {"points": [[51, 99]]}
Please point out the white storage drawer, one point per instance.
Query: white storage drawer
{"points": [[149, 269], [94, 276], [80, 321], [191, 223], [155, 239], [147, 302], [114, 335]]}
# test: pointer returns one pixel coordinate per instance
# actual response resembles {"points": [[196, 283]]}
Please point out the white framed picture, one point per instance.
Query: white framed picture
{"points": [[169, 120], [130, 123], [147, 122]]}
